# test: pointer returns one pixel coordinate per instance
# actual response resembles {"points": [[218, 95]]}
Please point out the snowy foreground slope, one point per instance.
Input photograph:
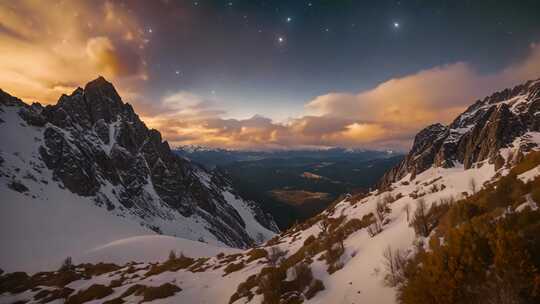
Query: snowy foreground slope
{"points": [[360, 280], [87, 172], [337, 256]]}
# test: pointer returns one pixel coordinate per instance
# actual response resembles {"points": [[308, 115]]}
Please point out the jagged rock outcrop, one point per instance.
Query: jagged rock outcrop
{"points": [[478, 134], [96, 146]]}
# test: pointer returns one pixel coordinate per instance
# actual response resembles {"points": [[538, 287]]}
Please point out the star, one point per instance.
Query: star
{"points": [[177, 72], [280, 39], [396, 24], [289, 19], [150, 30]]}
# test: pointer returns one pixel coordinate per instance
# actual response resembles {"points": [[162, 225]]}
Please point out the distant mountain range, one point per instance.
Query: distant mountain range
{"points": [[284, 182], [216, 156]]}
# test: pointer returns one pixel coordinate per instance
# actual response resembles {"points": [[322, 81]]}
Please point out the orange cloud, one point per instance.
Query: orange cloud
{"points": [[387, 116], [49, 48]]}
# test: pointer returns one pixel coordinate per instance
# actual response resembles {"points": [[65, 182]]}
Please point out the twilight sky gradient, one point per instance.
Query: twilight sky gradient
{"points": [[275, 74]]}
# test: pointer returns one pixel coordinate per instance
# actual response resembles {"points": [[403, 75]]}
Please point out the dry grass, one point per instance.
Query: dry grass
{"points": [[530, 161], [94, 292], [315, 286], [244, 289], [271, 280], [148, 293], [298, 197], [45, 296], [233, 267], [199, 265], [160, 292], [181, 262], [98, 269], [255, 254]]}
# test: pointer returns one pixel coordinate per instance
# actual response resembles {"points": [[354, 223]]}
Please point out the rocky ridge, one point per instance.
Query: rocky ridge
{"points": [[479, 133], [96, 146]]}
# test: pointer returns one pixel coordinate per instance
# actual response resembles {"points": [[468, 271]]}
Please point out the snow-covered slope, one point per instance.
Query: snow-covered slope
{"points": [[151, 248], [360, 279], [87, 172]]}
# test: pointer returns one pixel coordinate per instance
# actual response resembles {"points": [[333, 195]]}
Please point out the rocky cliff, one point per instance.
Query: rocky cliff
{"points": [[498, 121], [96, 146]]}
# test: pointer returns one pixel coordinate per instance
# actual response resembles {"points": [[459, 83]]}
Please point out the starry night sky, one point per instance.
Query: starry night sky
{"points": [[232, 48], [255, 74]]}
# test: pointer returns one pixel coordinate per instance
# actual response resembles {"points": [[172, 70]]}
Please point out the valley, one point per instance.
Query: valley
{"points": [[295, 185]]}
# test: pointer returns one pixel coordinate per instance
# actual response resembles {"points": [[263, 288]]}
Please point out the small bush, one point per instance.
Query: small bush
{"points": [[255, 254], [381, 212], [334, 249], [302, 277], [394, 263], [419, 221], [275, 256], [388, 199], [67, 265], [270, 280], [316, 286], [244, 289], [172, 256], [163, 291], [425, 220], [310, 239]]}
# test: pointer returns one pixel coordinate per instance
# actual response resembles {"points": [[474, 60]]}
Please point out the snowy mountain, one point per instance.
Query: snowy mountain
{"points": [[455, 222], [87, 171], [479, 133]]}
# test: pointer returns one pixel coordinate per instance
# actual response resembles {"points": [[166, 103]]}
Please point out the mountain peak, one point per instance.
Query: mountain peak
{"points": [[100, 88], [100, 81], [478, 134], [96, 147]]}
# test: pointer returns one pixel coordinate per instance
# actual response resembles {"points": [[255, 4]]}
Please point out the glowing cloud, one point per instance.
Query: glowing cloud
{"points": [[387, 116], [48, 50]]}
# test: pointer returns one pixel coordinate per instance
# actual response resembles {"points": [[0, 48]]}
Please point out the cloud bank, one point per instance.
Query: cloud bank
{"points": [[49, 48], [386, 116]]}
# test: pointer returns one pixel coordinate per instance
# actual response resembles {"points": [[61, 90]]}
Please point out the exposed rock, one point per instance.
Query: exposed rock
{"points": [[33, 115], [18, 186], [96, 145], [476, 135], [73, 167]]}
